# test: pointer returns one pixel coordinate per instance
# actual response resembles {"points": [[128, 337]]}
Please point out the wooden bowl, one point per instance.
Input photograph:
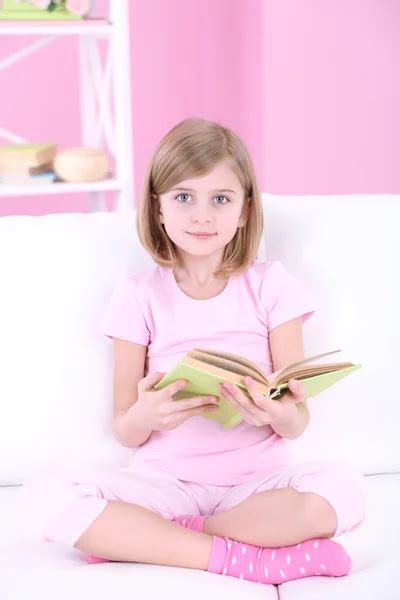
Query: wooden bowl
{"points": [[81, 164]]}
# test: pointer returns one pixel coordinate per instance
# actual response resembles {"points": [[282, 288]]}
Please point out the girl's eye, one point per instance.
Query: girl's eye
{"points": [[221, 203], [223, 197], [179, 195]]}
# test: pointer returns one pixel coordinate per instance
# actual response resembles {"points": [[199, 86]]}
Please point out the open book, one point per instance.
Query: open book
{"points": [[204, 369]]}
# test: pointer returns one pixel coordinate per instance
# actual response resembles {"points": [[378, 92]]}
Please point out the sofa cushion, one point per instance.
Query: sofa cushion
{"points": [[30, 566], [346, 251], [56, 381]]}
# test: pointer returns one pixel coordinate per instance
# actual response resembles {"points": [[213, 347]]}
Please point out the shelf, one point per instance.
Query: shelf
{"points": [[60, 187], [104, 98], [83, 27]]}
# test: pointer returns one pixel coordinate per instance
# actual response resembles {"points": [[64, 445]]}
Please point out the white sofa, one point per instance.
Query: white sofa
{"points": [[57, 272]]}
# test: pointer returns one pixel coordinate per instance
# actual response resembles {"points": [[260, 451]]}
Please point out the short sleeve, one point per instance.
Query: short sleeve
{"points": [[284, 296], [123, 317]]}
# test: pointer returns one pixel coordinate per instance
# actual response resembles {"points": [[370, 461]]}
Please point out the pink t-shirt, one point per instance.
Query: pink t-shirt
{"points": [[150, 308]]}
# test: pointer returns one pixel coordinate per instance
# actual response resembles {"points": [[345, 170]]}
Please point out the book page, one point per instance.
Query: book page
{"points": [[274, 378], [306, 372], [277, 375], [208, 369], [235, 358], [233, 366]]}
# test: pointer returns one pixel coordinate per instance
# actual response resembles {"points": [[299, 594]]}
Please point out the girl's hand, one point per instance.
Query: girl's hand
{"points": [[157, 410], [260, 410]]}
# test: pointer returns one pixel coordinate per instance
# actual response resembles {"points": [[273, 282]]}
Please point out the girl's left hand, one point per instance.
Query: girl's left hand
{"points": [[260, 410]]}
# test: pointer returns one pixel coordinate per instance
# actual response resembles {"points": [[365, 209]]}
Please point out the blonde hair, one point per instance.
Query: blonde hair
{"points": [[192, 149]]}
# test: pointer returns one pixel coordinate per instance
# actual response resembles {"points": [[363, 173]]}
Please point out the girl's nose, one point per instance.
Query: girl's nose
{"points": [[202, 218]]}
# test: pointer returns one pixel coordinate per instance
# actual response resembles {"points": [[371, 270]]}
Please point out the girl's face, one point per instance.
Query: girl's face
{"points": [[210, 204]]}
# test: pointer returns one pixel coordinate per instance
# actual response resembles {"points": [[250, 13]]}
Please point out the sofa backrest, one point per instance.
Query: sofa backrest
{"points": [[57, 272], [346, 250]]}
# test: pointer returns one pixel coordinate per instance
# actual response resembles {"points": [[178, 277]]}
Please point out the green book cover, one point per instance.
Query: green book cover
{"points": [[23, 148], [26, 155], [13, 10], [204, 379]]}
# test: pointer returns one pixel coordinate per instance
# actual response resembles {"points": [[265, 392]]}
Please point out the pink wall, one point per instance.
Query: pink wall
{"points": [[332, 96], [310, 87]]}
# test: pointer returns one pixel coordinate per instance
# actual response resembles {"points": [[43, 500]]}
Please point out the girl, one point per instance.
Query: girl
{"points": [[194, 495]]}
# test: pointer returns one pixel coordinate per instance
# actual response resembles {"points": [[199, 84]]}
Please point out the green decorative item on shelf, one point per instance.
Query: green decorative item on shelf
{"points": [[43, 10]]}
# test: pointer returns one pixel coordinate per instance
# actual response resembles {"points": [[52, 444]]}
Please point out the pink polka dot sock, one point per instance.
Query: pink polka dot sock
{"points": [[191, 522], [92, 559], [277, 565]]}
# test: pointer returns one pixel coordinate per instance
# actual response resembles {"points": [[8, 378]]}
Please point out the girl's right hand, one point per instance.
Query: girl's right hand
{"points": [[157, 410]]}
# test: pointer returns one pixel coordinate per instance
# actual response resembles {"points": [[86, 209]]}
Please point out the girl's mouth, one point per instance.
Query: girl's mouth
{"points": [[201, 236]]}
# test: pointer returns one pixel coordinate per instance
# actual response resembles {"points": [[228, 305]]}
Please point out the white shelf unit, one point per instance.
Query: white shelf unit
{"points": [[105, 100]]}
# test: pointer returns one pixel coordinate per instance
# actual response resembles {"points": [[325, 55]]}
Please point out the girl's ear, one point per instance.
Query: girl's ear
{"points": [[159, 208]]}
